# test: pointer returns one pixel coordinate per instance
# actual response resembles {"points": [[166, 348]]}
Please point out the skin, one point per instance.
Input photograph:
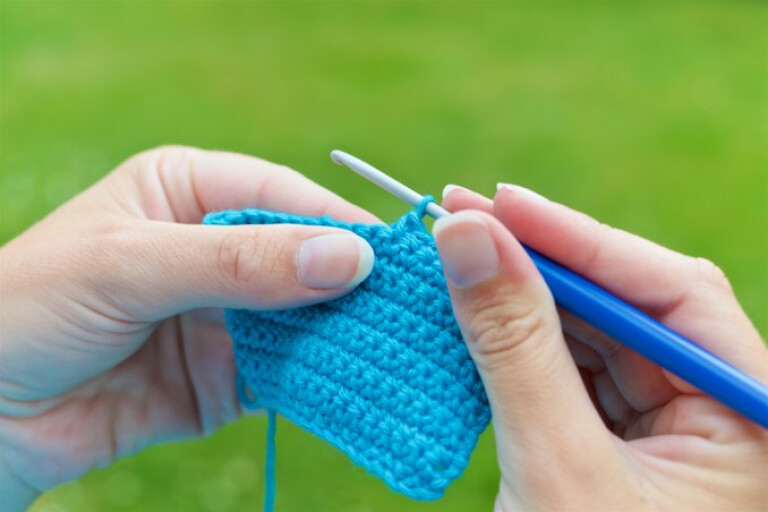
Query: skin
{"points": [[582, 423], [109, 343]]}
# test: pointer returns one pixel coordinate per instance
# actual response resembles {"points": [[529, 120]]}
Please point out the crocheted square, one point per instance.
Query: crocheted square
{"points": [[381, 373]]}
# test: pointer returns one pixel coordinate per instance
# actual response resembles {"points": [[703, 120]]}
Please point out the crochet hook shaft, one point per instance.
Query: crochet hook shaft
{"points": [[617, 319], [386, 182]]}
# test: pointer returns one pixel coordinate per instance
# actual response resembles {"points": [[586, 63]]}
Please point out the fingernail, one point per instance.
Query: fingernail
{"points": [[334, 261], [521, 190], [450, 188], [466, 248]]}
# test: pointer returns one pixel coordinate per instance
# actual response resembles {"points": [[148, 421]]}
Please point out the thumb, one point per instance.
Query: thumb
{"points": [[542, 414], [180, 267]]}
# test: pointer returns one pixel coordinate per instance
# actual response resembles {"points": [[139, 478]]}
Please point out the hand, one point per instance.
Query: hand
{"points": [[581, 422], [105, 348]]}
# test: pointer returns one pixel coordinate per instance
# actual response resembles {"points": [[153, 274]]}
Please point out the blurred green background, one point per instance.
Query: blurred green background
{"points": [[653, 118]]}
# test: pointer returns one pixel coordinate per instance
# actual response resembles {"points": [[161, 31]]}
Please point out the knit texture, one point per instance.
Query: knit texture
{"points": [[381, 373]]}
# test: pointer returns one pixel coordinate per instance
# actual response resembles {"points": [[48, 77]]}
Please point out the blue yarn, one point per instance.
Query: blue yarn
{"points": [[421, 208], [269, 467], [381, 373], [249, 401]]}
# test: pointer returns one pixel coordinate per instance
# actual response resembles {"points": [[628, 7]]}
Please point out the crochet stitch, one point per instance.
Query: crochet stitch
{"points": [[381, 373]]}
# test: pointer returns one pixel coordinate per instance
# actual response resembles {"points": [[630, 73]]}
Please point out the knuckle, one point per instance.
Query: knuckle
{"points": [[686, 414], [116, 239], [106, 249], [604, 234], [708, 272], [159, 159], [245, 254], [500, 327], [284, 169], [165, 150]]}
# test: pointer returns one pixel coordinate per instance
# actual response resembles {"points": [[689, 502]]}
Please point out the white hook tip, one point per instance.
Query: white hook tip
{"points": [[338, 156]]}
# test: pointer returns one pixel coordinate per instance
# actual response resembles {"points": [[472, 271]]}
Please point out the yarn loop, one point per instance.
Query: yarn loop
{"points": [[421, 208]]}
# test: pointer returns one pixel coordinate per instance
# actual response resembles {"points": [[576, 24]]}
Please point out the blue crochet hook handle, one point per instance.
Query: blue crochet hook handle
{"points": [[650, 338], [617, 319]]}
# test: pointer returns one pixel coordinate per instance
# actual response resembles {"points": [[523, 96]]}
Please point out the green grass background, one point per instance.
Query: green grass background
{"points": [[653, 118]]}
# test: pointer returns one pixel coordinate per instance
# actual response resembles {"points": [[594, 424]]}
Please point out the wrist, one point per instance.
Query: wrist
{"points": [[16, 493]]}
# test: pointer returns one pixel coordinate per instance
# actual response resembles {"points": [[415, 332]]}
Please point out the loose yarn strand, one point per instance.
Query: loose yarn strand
{"points": [[250, 401], [269, 466]]}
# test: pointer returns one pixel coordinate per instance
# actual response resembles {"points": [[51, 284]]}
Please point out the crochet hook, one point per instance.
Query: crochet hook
{"points": [[616, 318]]}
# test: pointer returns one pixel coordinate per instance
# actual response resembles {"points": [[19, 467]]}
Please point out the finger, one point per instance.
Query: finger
{"points": [[602, 254], [652, 390], [181, 267], [457, 198], [192, 182], [612, 402], [512, 330], [587, 361], [695, 416], [642, 384], [209, 357], [668, 285]]}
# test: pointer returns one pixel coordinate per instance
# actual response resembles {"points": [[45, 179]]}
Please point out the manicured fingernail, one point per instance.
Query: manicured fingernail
{"points": [[450, 188], [334, 261], [521, 190], [467, 249]]}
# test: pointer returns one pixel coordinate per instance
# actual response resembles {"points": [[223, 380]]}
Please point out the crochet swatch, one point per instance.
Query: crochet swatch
{"points": [[381, 373]]}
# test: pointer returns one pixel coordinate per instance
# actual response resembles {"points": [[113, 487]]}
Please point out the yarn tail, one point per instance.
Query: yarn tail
{"points": [[269, 467]]}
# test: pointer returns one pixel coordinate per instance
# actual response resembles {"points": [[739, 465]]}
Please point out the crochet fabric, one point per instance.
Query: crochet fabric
{"points": [[381, 373]]}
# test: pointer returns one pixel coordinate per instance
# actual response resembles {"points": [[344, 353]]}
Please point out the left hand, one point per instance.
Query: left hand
{"points": [[104, 348]]}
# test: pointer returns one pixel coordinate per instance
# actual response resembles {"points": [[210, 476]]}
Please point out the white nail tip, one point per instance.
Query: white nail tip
{"points": [[521, 190], [450, 188]]}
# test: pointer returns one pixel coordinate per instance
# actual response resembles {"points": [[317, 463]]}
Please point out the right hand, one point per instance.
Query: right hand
{"points": [[581, 422]]}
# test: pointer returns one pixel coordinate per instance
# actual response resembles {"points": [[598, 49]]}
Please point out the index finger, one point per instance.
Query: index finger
{"points": [[196, 182], [690, 295]]}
